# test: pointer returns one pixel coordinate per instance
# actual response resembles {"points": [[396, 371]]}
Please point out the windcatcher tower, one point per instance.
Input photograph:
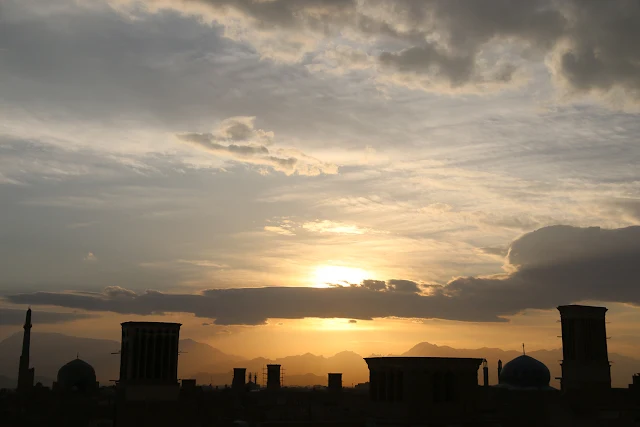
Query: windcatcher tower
{"points": [[148, 392], [239, 375], [334, 382], [149, 360], [273, 377], [585, 359], [26, 374]]}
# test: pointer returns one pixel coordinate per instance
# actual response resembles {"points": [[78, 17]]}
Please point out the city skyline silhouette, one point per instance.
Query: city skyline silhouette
{"points": [[261, 212]]}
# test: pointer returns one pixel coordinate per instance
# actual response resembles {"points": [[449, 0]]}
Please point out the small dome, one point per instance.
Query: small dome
{"points": [[525, 372], [77, 375]]}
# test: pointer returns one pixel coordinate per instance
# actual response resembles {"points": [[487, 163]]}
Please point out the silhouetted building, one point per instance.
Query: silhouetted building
{"points": [[485, 373], [334, 382], [239, 376], [148, 388], [149, 353], [273, 377], [26, 374], [76, 376], [149, 360], [189, 384], [412, 389], [585, 361], [635, 383]]}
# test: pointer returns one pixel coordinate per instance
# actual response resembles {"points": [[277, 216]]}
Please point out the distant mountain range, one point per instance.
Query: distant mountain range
{"points": [[209, 365]]}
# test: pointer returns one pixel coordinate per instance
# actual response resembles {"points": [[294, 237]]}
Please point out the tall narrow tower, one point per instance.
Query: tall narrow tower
{"points": [[273, 377], [25, 374], [585, 359]]}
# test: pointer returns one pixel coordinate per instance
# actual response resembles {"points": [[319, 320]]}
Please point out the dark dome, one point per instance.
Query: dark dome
{"points": [[525, 372], [77, 375]]}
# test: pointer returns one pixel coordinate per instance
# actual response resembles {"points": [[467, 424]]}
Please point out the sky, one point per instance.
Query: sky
{"points": [[292, 176]]}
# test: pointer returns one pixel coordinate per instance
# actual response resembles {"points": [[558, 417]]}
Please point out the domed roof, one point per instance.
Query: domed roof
{"points": [[525, 372], [77, 374]]}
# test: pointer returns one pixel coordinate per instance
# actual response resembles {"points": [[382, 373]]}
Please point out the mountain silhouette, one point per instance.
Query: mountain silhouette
{"points": [[209, 365]]}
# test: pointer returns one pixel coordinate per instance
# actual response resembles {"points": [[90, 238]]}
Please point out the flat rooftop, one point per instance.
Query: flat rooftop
{"points": [[152, 324]]}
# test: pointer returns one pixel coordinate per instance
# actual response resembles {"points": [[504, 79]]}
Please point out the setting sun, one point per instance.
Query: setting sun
{"points": [[331, 275]]}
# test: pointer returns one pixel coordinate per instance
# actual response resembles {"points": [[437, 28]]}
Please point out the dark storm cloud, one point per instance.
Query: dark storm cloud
{"points": [[253, 306], [15, 317], [163, 66], [427, 59], [555, 265], [603, 47], [593, 43]]}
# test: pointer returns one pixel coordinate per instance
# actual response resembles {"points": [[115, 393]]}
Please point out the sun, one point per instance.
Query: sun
{"points": [[327, 275]]}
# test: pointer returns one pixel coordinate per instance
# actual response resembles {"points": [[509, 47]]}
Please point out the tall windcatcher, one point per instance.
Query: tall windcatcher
{"points": [[273, 377], [585, 359], [334, 381], [25, 374], [239, 375], [149, 353]]}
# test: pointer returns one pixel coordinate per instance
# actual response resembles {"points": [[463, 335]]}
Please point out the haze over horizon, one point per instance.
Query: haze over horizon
{"points": [[293, 176]]}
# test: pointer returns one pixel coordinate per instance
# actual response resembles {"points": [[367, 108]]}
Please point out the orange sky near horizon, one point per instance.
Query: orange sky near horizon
{"points": [[538, 329]]}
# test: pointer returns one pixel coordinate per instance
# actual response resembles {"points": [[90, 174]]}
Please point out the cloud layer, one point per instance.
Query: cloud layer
{"points": [[237, 139], [551, 266], [446, 45]]}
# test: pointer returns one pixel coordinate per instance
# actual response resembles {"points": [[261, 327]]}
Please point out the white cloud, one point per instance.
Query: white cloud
{"points": [[327, 226], [236, 139], [279, 230]]}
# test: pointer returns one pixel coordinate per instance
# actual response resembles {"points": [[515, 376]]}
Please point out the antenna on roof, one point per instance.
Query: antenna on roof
{"points": [[77, 355], [523, 349]]}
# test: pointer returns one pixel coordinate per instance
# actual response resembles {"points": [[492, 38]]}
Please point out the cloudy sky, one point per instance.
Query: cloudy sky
{"points": [[284, 176]]}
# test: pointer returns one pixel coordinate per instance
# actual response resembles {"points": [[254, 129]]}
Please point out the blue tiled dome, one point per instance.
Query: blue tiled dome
{"points": [[525, 372]]}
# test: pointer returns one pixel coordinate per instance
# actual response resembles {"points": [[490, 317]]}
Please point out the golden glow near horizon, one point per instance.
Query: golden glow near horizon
{"points": [[327, 275]]}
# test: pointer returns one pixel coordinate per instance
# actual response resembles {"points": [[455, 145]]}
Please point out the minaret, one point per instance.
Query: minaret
{"points": [[25, 374]]}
